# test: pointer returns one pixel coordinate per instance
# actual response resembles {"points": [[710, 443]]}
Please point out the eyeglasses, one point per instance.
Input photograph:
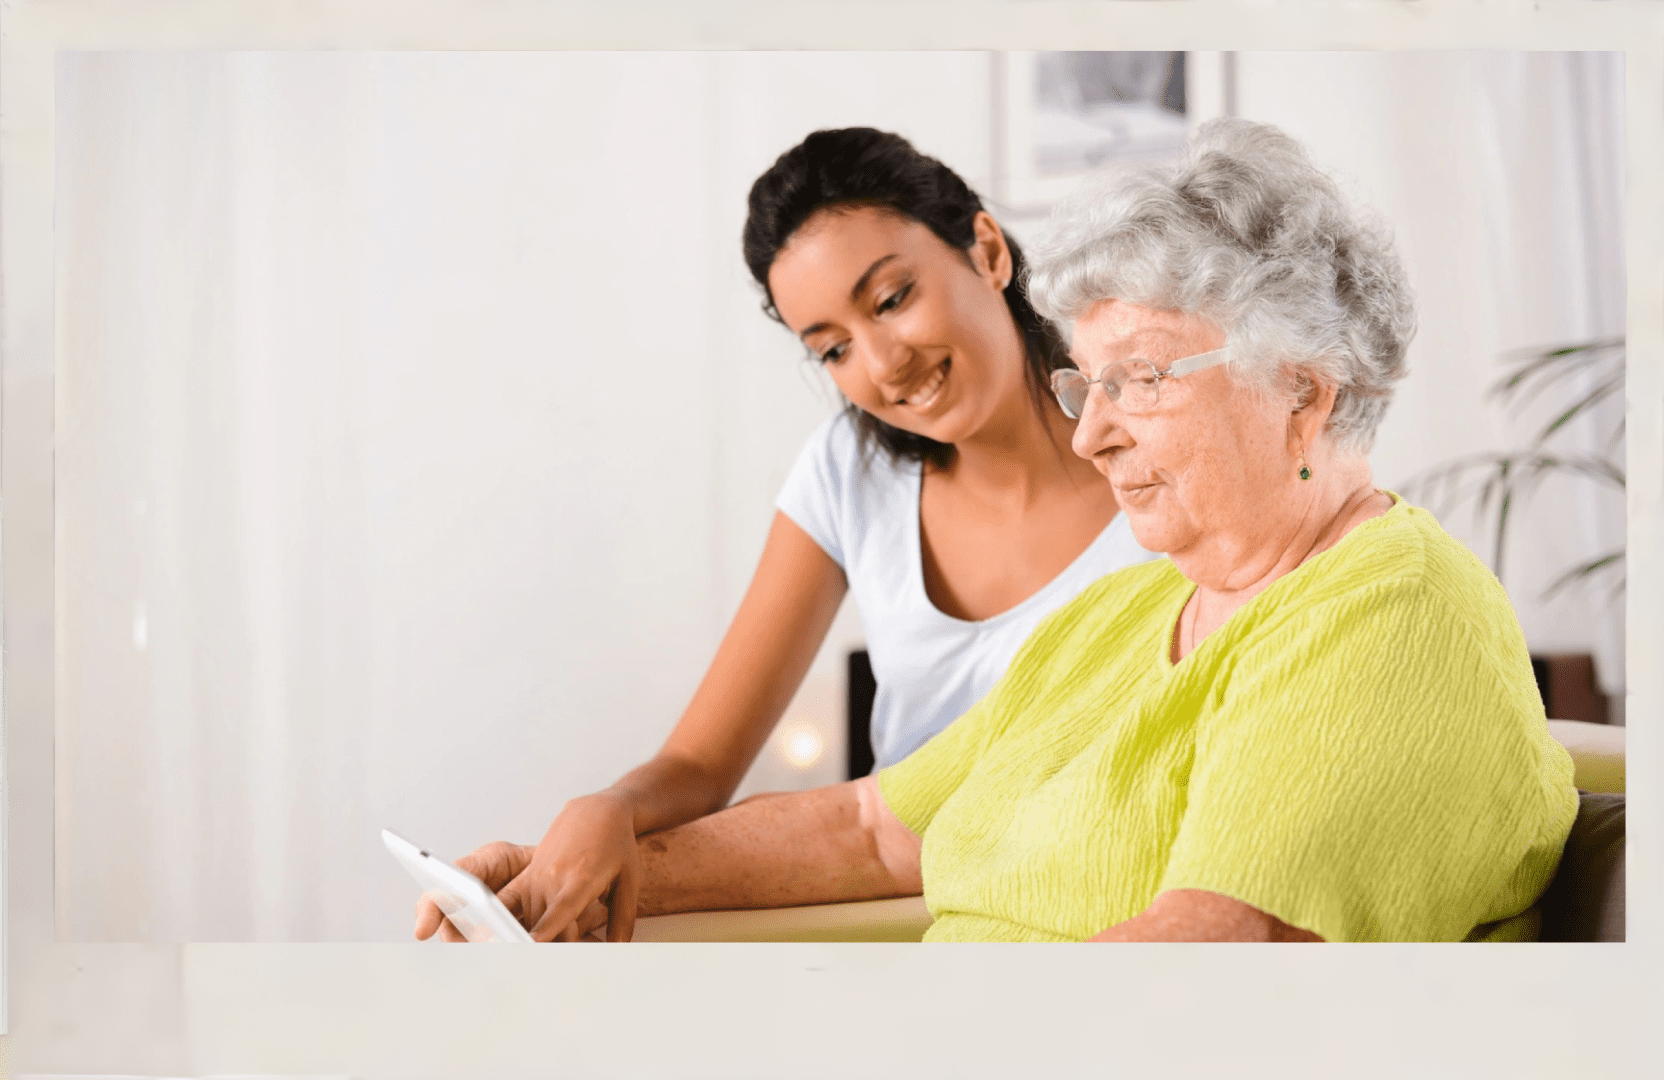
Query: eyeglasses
{"points": [[1134, 385]]}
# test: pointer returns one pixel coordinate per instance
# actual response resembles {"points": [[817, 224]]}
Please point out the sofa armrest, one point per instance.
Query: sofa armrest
{"points": [[901, 919], [1585, 901], [1597, 752]]}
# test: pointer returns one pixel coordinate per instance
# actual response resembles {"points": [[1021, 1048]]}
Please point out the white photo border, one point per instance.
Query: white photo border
{"points": [[808, 1010]]}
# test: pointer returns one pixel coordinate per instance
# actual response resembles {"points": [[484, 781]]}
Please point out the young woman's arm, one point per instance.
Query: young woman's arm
{"points": [[780, 624], [589, 851]]}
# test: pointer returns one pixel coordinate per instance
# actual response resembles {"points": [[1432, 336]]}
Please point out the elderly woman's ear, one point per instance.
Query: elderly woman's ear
{"points": [[1313, 401]]}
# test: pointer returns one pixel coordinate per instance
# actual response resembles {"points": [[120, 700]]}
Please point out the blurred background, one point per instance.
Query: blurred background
{"points": [[417, 426]]}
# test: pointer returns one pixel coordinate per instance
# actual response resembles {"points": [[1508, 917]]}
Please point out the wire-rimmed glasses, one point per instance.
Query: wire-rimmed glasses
{"points": [[1134, 385]]}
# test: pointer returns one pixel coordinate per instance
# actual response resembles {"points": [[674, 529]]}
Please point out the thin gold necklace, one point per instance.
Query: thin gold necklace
{"points": [[1187, 634]]}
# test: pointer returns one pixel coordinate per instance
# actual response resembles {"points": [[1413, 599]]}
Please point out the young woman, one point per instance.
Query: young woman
{"points": [[945, 498]]}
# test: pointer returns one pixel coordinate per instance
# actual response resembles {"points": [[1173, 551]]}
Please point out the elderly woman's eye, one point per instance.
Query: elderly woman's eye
{"points": [[893, 301]]}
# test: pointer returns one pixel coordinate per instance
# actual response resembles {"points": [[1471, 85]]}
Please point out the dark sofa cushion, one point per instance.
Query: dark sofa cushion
{"points": [[1585, 901]]}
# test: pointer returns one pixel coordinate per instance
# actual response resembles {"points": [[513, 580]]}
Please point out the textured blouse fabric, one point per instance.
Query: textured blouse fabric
{"points": [[863, 510], [1360, 751]]}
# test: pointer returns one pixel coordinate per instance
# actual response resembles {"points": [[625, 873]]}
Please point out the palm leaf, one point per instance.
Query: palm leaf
{"points": [[1617, 438], [1611, 384], [1585, 570], [1499, 483], [1532, 371]]}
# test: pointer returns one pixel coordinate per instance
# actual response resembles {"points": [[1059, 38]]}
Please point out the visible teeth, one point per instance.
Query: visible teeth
{"points": [[927, 393]]}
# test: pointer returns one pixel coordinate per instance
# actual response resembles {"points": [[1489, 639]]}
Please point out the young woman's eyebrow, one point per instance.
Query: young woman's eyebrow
{"points": [[855, 292], [865, 279]]}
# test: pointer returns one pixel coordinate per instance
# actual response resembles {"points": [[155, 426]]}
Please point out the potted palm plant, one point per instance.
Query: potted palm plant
{"points": [[1498, 482]]}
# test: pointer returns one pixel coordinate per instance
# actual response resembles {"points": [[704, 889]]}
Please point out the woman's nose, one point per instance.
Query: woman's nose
{"points": [[1099, 427], [887, 358]]}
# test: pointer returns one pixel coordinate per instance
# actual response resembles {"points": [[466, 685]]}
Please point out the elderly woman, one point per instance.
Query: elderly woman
{"points": [[1315, 720]]}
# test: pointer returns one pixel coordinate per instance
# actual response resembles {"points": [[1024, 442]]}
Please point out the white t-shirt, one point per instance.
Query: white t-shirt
{"points": [[930, 667]]}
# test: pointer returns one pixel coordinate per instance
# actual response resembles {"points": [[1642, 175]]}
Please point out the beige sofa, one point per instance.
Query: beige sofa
{"points": [[1585, 902]]}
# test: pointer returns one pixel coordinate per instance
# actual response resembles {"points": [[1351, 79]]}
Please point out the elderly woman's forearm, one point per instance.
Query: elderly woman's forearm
{"points": [[829, 845], [1199, 915]]}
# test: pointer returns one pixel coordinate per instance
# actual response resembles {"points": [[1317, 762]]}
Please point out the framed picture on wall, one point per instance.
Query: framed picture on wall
{"points": [[1059, 116]]}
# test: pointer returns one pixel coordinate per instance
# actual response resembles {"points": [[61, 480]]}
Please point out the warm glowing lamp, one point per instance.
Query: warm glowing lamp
{"points": [[804, 747]]}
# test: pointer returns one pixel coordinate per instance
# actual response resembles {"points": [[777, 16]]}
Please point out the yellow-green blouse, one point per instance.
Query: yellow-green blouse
{"points": [[1360, 751]]}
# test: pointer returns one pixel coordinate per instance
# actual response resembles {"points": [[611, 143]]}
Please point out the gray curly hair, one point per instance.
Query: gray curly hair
{"points": [[1248, 233]]}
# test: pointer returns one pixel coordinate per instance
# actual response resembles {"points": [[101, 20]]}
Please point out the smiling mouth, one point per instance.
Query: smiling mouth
{"points": [[925, 395]]}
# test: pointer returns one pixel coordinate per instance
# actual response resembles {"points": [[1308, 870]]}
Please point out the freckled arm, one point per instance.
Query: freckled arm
{"points": [[828, 845]]}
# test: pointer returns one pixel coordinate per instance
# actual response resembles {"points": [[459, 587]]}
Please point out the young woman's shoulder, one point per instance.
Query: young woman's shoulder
{"points": [[838, 488], [836, 460]]}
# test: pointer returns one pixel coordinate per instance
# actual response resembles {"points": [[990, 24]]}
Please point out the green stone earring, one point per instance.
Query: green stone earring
{"points": [[1305, 470]]}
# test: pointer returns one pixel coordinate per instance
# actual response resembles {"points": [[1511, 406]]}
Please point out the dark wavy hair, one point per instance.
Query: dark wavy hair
{"points": [[854, 167]]}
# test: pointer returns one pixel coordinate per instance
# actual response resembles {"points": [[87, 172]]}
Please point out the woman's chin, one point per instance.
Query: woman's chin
{"points": [[1154, 530], [1150, 539], [944, 425]]}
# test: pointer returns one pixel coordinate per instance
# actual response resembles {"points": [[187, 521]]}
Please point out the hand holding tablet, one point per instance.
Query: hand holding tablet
{"points": [[470, 904]]}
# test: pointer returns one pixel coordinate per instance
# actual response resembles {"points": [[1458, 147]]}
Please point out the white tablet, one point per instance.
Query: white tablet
{"points": [[472, 908]]}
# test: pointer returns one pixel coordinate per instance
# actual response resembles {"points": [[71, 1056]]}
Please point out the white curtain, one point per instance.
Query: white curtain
{"points": [[1559, 141], [207, 502]]}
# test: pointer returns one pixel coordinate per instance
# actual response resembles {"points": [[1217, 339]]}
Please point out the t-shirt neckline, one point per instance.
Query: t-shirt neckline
{"points": [[915, 544]]}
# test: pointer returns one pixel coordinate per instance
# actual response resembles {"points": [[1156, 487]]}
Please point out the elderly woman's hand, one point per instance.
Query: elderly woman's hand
{"points": [[501, 867], [494, 864]]}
